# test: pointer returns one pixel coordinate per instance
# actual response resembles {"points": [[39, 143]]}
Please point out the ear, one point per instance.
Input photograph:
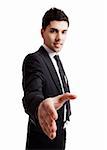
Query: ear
{"points": [[42, 31]]}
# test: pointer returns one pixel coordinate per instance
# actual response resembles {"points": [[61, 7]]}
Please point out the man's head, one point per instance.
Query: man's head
{"points": [[55, 24]]}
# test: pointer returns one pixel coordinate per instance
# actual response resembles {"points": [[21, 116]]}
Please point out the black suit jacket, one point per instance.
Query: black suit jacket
{"points": [[40, 81]]}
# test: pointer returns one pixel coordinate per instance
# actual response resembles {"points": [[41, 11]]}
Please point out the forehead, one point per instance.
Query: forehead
{"points": [[60, 25]]}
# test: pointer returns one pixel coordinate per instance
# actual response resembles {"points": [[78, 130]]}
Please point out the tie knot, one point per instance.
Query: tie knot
{"points": [[56, 57]]}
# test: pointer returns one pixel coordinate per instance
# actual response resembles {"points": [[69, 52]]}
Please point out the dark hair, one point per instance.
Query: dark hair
{"points": [[53, 14]]}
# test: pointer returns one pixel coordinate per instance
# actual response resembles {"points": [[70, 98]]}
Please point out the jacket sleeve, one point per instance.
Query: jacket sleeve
{"points": [[32, 83]]}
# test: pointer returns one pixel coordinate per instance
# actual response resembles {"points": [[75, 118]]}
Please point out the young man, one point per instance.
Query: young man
{"points": [[46, 91]]}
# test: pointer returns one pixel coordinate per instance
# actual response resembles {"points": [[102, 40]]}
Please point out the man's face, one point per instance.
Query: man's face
{"points": [[55, 34]]}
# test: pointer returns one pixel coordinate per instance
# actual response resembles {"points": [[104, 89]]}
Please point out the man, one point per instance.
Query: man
{"points": [[46, 91]]}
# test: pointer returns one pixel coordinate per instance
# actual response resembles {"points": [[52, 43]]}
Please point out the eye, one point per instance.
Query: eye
{"points": [[64, 32], [52, 30]]}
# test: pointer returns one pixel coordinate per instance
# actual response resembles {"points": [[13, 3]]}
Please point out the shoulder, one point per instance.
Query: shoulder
{"points": [[31, 57], [34, 60], [36, 56]]}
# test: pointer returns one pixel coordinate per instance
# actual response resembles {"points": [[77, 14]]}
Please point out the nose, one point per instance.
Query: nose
{"points": [[58, 36]]}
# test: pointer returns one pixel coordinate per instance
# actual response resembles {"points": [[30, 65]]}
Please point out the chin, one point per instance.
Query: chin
{"points": [[57, 50]]}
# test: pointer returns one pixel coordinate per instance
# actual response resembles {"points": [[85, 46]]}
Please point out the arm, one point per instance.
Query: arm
{"points": [[32, 85]]}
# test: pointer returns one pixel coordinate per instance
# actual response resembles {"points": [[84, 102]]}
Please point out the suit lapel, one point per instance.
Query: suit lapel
{"points": [[50, 67]]}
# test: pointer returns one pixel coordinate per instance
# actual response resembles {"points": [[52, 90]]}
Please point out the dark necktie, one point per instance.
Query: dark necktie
{"points": [[65, 84]]}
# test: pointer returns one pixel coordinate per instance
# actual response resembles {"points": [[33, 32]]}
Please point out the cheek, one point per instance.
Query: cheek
{"points": [[64, 38], [46, 38], [51, 37]]}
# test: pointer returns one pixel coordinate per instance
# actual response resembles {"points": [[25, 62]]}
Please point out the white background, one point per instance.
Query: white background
{"points": [[85, 60]]}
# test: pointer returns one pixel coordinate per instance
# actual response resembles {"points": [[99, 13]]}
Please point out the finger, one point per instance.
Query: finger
{"points": [[65, 97], [44, 126], [45, 130], [53, 126], [52, 135], [61, 99], [53, 130], [49, 132], [51, 109], [46, 119]]}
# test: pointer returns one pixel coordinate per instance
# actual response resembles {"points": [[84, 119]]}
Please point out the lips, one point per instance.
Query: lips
{"points": [[57, 44]]}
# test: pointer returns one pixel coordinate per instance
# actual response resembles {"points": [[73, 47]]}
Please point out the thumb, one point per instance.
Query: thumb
{"points": [[61, 99]]}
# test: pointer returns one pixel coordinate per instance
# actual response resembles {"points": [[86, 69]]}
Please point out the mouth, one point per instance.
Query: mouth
{"points": [[57, 45]]}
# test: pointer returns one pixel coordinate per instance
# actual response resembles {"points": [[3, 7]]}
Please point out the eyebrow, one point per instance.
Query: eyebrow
{"points": [[57, 29]]}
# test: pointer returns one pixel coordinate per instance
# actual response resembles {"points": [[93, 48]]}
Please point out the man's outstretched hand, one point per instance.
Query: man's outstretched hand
{"points": [[47, 113]]}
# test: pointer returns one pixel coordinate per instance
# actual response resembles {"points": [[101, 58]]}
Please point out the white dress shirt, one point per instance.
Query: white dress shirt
{"points": [[51, 55]]}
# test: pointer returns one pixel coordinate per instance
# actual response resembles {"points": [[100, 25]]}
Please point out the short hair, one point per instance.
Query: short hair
{"points": [[53, 14]]}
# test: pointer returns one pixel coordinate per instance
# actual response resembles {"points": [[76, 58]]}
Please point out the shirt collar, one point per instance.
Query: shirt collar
{"points": [[50, 52]]}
